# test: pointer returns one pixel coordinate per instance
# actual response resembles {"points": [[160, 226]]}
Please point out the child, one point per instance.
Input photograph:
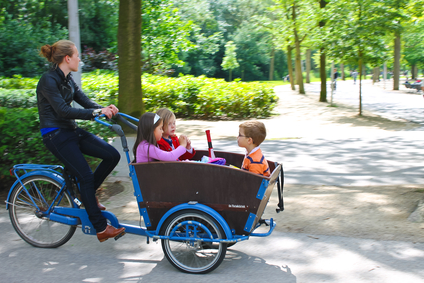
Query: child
{"points": [[169, 141], [251, 135], [148, 134]]}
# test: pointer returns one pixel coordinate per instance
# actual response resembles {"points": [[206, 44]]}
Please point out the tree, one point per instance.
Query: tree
{"points": [[414, 45], [296, 19], [361, 39], [230, 59], [129, 62]]}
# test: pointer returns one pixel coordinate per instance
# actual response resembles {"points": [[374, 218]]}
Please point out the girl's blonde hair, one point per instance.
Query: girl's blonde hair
{"points": [[166, 115], [56, 52]]}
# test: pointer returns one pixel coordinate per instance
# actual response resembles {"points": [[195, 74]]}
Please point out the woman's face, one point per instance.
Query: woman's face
{"points": [[158, 131], [73, 60]]}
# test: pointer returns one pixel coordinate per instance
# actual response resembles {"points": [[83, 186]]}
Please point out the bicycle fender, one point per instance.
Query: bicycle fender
{"points": [[51, 175], [199, 207]]}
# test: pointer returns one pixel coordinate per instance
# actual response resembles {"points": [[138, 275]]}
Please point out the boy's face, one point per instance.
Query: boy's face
{"points": [[170, 128], [242, 140]]}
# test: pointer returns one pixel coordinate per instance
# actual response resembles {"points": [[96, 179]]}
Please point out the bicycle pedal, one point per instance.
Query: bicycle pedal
{"points": [[119, 235]]}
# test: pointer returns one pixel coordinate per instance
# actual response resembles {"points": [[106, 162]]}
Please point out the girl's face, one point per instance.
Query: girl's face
{"points": [[158, 131], [170, 128], [74, 60]]}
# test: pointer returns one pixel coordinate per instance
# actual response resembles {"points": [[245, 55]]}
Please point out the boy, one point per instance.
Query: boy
{"points": [[251, 135]]}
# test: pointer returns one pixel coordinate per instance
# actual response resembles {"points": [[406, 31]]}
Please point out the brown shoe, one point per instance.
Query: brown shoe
{"points": [[110, 232], [101, 206]]}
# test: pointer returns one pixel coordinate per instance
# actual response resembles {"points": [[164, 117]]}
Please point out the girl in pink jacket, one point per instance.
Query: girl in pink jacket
{"points": [[150, 129]]}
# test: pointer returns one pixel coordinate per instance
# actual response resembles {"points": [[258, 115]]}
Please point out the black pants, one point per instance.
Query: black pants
{"points": [[69, 146]]}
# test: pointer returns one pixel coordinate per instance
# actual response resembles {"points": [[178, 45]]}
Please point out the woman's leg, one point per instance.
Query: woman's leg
{"points": [[65, 145], [94, 146]]}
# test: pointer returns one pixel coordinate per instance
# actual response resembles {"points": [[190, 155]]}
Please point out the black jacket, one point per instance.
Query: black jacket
{"points": [[55, 94]]}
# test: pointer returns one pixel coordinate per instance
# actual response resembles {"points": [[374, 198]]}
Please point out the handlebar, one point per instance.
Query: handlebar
{"points": [[118, 129]]}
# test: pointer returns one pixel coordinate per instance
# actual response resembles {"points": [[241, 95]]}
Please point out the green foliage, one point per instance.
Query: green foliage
{"points": [[363, 37], [17, 98], [101, 86], [19, 46], [230, 58], [208, 98], [164, 35], [18, 82], [20, 141]]}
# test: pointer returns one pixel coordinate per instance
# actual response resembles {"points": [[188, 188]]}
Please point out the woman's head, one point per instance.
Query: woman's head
{"points": [[63, 51], [169, 122], [149, 130]]}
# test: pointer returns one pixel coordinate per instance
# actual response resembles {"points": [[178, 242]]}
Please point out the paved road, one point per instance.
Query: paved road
{"points": [[282, 257], [379, 98]]}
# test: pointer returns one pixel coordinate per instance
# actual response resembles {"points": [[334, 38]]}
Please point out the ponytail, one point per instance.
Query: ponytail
{"points": [[56, 52]]}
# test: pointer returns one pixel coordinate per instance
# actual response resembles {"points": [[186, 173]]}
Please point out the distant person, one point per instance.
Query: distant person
{"points": [[169, 141], [148, 134], [354, 75], [336, 75], [251, 135]]}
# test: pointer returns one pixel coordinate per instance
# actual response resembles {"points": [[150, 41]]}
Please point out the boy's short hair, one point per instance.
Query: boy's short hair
{"points": [[255, 130], [166, 115]]}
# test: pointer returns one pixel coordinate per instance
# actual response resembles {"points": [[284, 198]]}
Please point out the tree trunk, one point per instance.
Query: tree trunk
{"points": [[342, 72], [271, 65], [231, 73], [290, 66], [129, 62], [323, 74], [298, 62], [376, 75], [323, 77], [396, 63], [308, 65], [413, 72], [360, 86]]}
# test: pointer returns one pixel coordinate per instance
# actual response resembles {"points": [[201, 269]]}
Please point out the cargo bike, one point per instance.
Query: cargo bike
{"points": [[196, 209]]}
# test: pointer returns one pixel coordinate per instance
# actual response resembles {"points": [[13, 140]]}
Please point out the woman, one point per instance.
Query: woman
{"points": [[56, 91]]}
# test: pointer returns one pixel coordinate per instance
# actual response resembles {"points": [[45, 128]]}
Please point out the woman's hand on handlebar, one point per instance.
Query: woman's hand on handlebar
{"points": [[110, 111]]}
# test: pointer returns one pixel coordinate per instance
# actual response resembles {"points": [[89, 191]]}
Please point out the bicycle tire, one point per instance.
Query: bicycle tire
{"points": [[193, 256], [27, 220]]}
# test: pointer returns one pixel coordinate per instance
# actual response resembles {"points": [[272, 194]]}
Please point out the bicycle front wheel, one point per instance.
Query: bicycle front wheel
{"points": [[28, 208], [194, 255]]}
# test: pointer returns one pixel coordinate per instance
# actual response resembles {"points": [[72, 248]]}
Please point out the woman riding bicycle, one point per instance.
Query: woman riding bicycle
{"points": [[56, 91]]}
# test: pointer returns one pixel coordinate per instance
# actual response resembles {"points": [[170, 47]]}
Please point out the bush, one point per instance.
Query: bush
{"points": [[18, 82], [101, 60], [208, 98], [17, 98], [20, 43], [101, 86]]}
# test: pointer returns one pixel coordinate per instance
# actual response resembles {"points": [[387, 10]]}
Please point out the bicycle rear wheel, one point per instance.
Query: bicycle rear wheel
{"points": [[27, 212]]}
